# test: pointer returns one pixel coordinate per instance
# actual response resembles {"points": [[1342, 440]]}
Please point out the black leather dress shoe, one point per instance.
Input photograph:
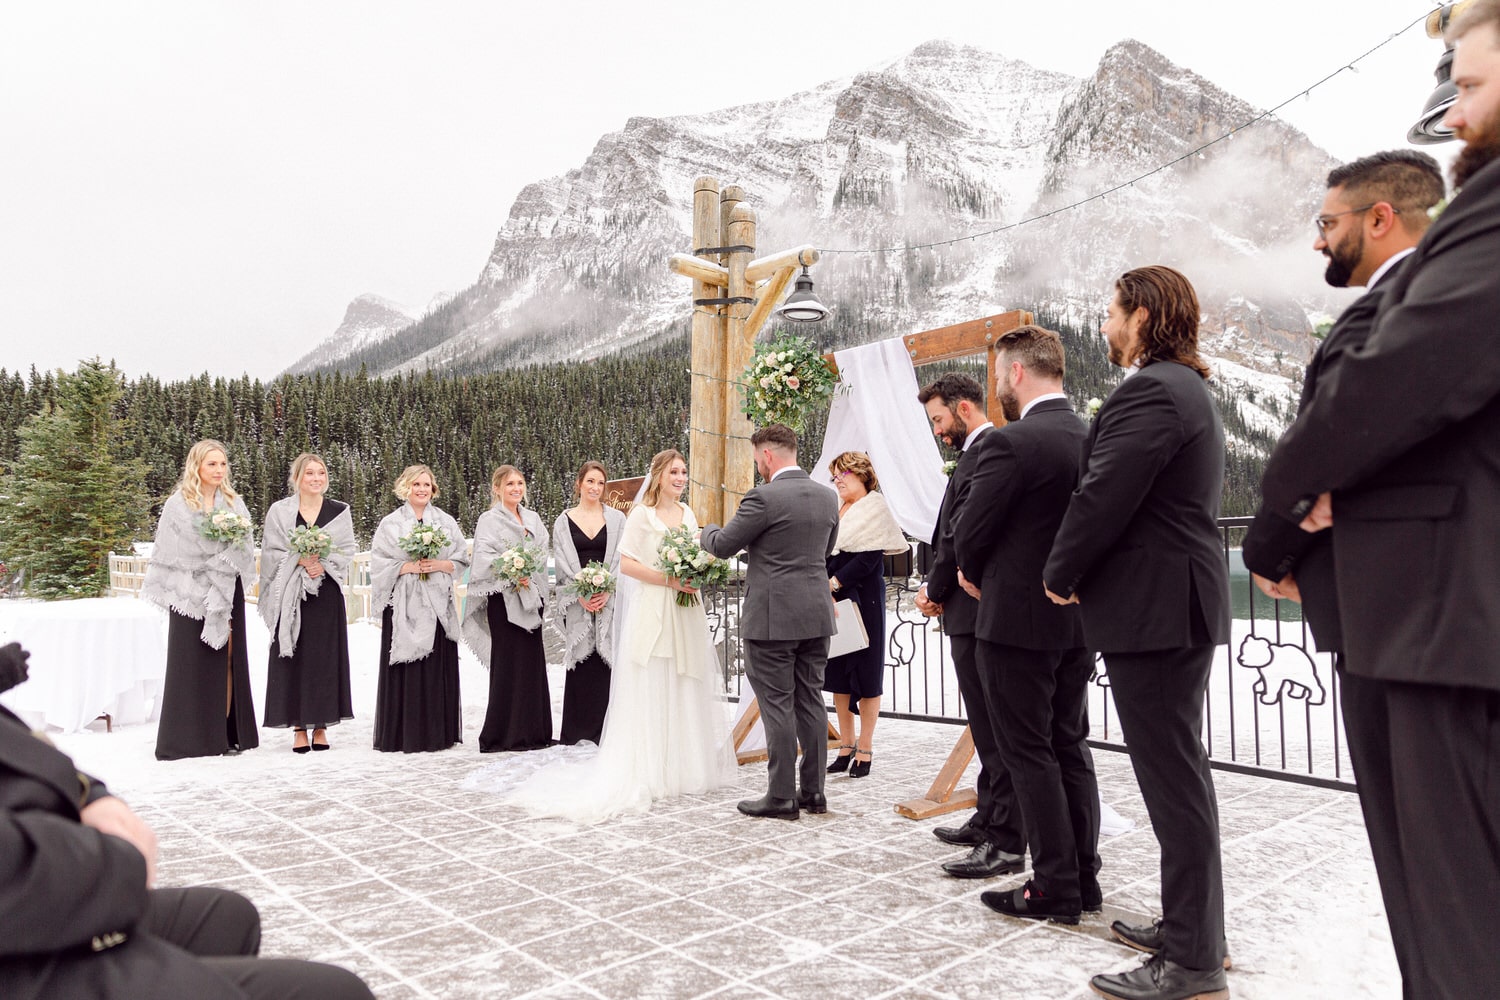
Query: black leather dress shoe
{"points": [[813, 802], [959, 836], [767, 806], [986, 861], [1029, 902], [1160, 979], [1148, 938]]}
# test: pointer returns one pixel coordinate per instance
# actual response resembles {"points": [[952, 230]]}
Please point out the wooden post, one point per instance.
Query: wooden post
{"points": [[739, 463], [940, 798], [706, 412]]}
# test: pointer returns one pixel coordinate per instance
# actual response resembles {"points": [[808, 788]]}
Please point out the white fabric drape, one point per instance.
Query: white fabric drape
{"points": [[878, 414]]}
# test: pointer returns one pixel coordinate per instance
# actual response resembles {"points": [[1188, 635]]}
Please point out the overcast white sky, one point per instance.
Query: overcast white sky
{"points": [[190, 186]]}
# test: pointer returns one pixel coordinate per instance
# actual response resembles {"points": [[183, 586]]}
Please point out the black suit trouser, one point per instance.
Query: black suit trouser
{"points": [[787, 677], [997, 814], [1040, 700], [1159, 698], [1427, 759]]}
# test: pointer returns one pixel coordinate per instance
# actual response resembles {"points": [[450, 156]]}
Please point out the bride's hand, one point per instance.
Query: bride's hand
{"points": [[677, 584]]}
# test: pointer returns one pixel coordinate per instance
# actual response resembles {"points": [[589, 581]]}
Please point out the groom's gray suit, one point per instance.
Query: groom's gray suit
{"points": [[787, 527]]}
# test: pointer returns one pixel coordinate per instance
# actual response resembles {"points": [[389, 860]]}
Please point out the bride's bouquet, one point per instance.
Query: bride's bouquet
{"points": [[594, 579], [685, 559], [310, 540], [424, 542], [521, 561], [222, 525]]}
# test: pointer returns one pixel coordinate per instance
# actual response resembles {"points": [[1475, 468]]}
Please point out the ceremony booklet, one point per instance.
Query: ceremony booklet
{"points": [[851, 636]]}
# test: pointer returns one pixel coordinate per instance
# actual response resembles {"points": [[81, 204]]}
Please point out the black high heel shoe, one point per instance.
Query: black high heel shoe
{"points": [[304, 748], [860, 768], [841, 762]]}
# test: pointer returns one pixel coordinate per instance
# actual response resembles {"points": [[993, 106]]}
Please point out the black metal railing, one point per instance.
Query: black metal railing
{"points": [[1272, 706]]}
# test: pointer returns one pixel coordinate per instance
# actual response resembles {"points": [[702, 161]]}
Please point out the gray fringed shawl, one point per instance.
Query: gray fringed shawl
{"points": [[496, 532], [586, 633], [284, 584], [193, 575], [417, 605]]}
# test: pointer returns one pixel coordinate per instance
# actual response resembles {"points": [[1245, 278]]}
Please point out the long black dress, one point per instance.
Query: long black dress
{"points": [[417, 704], [586, 689], [193, 723], [861, 674], [519, 716], [310, 688]]}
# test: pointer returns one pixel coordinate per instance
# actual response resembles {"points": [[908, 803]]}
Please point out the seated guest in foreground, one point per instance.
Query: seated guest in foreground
{"points": [[867, 533], [416, 693], [589, 532], [203, 560], [506, 633], [302, 602], [80, 916]]}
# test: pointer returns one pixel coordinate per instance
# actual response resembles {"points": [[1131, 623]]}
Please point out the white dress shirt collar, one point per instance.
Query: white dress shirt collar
{"points": [[1391, 262], [1041, 399], [784, 468], [975, 433]]}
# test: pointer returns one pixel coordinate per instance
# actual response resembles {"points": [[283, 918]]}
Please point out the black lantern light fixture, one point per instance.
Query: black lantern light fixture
{"points": [[802, 306], [1429, 128]]}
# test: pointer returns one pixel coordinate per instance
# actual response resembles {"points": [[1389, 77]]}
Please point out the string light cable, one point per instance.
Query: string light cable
{"points": [[1306, 92]]}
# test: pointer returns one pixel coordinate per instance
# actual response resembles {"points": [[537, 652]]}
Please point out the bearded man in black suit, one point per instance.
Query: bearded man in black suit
{"points": [[79, 915], [1399, 453], [1139, 550], [1373, 214], [955, 405], [1033, 666]]}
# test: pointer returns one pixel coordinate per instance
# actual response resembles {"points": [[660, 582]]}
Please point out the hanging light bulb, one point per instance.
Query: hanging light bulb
{"points": [[802, 306]]}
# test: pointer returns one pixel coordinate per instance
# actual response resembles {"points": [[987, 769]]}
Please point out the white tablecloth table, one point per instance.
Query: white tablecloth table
{"points": [[88, 657]]}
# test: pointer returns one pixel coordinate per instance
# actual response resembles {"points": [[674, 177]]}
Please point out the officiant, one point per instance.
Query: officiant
{"points": [[867, 533]]}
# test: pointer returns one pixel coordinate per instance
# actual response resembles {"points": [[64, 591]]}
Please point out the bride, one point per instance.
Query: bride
{"points": [[665, 733]]}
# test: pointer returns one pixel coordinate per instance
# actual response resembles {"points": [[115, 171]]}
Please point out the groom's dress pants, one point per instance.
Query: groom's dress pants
{"points": [[787, 676], [997, 814]]}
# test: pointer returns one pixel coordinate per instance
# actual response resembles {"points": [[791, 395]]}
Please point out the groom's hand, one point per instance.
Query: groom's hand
{"points": [[969, 588]]}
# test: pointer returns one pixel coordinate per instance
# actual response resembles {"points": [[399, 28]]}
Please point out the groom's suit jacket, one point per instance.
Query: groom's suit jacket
{"points": [[1405, 433], [787, 528]]}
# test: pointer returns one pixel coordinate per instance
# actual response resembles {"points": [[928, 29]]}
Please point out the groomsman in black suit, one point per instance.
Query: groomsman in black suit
{"points": [[1374, 212], [78, 916], [1399, 453], [1032, 663], [955, 405], [1139, 551]]}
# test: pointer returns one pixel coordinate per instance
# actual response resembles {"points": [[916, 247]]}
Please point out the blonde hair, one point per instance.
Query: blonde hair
{"points": [[660, 463], [191, 485], [408, 476], [498, 480], [858, 463], [299, 465]]}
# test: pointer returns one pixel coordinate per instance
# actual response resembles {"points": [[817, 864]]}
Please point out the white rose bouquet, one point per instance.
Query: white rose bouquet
{"points": [[785, 381], [310, 540], [683, 558], [222, 525], [424, 542], [519, 563], [592, 580]]}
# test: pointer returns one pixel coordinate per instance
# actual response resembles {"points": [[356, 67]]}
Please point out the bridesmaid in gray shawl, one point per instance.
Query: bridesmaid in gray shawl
{"points": [[589, 532], [302, 603], [203, 560], [416, 693], [506, 634]]}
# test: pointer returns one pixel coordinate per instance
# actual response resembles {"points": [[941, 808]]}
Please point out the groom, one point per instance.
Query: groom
{"points": [[787, 525]]}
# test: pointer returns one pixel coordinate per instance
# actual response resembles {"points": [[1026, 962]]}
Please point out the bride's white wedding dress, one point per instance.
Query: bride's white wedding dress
{"points": [[666, 732]]}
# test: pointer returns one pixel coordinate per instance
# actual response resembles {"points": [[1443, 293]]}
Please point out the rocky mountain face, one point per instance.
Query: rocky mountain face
{"points": [[945, 142], [369, 321]]}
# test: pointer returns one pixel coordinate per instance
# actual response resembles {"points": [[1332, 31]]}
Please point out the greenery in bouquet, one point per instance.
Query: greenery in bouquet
{"points": [[310, 540], [521, 561], [424, 542], [785, 381], [690, 563], [222, 525], [592, 580]]}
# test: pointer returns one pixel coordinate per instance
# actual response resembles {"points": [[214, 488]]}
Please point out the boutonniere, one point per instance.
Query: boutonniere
{"points": [[948, 467], [1092, 406], [1437, 210]]}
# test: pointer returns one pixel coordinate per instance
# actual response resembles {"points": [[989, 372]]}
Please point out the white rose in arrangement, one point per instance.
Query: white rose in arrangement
{"points": [[518, 562], [702, 559], [786, 369]]}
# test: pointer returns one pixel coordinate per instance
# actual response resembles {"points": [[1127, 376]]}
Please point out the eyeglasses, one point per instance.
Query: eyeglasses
{"points": [[1325, 222], [840, 475]]}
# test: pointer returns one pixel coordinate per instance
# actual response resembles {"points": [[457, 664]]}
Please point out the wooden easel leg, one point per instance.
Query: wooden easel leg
{"points": [[747, 722], [940, 798]]}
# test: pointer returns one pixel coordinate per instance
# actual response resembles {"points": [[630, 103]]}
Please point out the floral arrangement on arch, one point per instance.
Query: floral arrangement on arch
{"points": [[786, 380]]}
